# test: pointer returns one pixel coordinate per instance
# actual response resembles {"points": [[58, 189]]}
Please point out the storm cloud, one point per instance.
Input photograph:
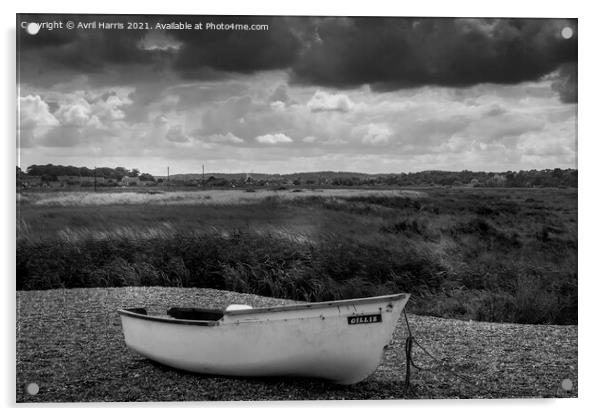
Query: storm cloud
{"points": [[394, 53], [385, 53]]}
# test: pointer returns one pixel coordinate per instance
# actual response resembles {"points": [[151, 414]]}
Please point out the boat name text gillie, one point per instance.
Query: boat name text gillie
{"points": [[364, 319]]}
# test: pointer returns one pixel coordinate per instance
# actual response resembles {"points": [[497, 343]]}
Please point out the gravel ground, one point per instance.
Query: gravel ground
{"points": [[69, 342]]}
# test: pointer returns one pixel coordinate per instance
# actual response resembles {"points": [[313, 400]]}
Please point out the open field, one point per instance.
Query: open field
{"points": [[487, 254], [70, 343]]}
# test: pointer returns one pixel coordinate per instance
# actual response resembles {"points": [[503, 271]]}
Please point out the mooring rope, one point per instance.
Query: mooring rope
{"points": [[410, 341]]}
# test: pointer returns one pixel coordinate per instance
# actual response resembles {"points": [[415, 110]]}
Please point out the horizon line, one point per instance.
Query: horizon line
{"points": [[309, 172]]}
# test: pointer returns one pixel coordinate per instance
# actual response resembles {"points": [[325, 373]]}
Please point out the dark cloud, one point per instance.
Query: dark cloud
{"points": [[385, 53], [566, 83], [81, 50], [395, 53], [238, 51]]}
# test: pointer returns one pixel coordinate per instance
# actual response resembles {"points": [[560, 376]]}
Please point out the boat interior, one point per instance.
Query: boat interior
{"points": [[195, 314], [189, 314]]}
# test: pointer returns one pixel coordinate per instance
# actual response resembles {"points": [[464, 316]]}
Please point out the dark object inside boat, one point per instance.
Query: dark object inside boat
{"points": [[141, 311], [196, 314]]}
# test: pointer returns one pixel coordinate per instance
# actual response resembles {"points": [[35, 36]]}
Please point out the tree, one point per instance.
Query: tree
{"points": [[134, 173], [120, 172], [146, 177]]}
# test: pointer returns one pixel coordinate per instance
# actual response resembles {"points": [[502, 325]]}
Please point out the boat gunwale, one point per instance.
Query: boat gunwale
{"points": [[157, 318], [281, 308], [316, 305]]}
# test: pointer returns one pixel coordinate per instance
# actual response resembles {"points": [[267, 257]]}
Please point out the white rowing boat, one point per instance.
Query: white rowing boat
{"points": [[341, 341]]}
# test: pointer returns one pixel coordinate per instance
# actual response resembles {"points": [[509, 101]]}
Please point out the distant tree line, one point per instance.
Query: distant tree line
{"points": [[513, 179], [51, 172], [530, 178], [520, 179]]}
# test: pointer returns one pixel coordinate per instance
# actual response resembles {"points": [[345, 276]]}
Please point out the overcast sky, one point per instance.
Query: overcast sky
{"points": [[354, 94]]}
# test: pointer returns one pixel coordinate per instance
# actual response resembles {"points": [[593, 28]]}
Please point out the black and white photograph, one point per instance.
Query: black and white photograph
{"points": [[295, 208]]}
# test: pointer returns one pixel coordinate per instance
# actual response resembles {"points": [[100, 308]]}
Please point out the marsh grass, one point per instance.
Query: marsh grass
{"points": [[482, 254], [205, 197]]}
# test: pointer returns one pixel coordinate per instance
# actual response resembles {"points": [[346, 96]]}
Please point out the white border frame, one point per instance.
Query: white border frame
{"points": [[589, 153]]}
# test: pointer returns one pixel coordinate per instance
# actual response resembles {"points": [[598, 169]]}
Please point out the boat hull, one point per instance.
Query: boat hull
{"points": [[341, 341]]}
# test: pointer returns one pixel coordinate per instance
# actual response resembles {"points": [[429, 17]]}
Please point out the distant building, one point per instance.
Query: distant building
{"points": [[129, 181], [28, 181]]}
